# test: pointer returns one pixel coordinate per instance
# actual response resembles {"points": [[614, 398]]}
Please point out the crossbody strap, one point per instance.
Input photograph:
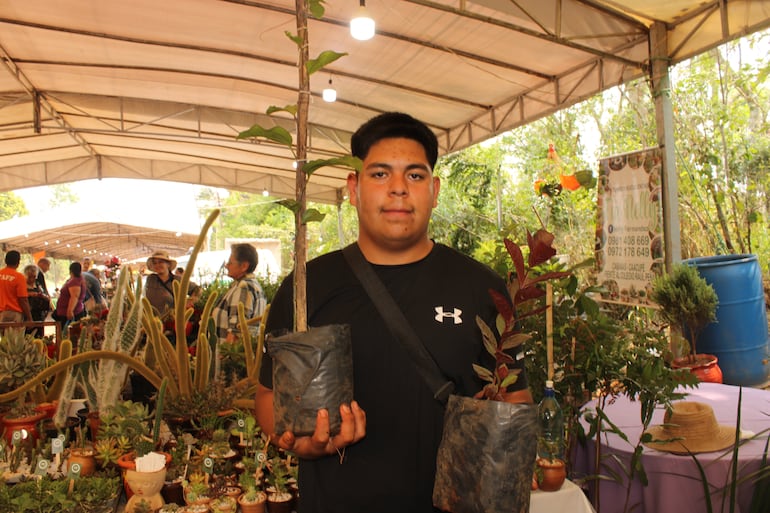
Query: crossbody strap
{"points": [[398, 324]]}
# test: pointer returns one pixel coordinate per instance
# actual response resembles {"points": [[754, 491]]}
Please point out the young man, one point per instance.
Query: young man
{"points": [[389, 461], [14, 306]]}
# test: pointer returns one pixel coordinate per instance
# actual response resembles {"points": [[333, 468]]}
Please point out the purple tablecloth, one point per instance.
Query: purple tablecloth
{"points": [[674, 482]]}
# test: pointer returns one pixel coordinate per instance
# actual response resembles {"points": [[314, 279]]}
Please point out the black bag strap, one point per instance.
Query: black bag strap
{"points": [[398, 324]]}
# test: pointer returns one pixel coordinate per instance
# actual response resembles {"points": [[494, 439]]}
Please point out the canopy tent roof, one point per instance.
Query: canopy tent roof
{"points": [[159, 90], [72, 234]]}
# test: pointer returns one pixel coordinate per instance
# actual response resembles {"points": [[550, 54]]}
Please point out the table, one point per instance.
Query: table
{"points": [[674, 482], [569, 498]]}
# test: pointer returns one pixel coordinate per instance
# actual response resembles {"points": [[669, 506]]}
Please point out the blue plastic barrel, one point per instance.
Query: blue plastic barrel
{"points": [[739, 337]]}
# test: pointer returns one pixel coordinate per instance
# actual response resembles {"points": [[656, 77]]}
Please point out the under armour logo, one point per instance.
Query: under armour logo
{"points": [[455, 314]]}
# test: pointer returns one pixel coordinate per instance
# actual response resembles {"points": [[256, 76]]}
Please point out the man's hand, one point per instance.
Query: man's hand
{"points": [[352, 429]]}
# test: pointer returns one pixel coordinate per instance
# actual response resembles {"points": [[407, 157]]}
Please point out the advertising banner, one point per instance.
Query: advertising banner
{"points": [[629, 226]]}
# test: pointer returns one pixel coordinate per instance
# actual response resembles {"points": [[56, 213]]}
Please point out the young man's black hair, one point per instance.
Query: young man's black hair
{"points": [[391, 125]]}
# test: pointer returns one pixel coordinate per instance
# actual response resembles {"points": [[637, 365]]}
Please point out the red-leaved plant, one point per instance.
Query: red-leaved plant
{"points": [[522, 287]]}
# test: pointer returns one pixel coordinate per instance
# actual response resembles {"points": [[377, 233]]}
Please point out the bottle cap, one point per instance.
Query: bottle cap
{"points": [[549, 384]]}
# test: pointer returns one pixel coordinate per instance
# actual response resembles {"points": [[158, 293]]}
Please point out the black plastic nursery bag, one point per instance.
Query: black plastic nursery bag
{"points": [[486, 457], [311, 370]]}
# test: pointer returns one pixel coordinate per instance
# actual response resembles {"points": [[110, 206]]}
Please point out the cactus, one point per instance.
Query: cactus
{"points": [[20, 359]]}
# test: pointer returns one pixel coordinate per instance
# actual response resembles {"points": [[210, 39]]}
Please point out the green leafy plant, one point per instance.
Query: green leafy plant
{"points": [[686, 301], [305, 168]]}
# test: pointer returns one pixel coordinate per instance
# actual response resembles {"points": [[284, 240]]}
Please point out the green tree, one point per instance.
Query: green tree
{"points": [[62, 194], [11, 206]]}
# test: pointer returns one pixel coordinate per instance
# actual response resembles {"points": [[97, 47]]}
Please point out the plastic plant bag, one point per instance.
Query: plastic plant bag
{"points": [[311, 370], [486, 457]]}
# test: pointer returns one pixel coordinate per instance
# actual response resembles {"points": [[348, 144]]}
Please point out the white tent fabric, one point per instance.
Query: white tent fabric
{"points": [[70, 233], [159, 90]]}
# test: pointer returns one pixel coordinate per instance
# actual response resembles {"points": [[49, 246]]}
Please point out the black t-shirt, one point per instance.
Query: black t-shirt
{"points": [[393, 467]]}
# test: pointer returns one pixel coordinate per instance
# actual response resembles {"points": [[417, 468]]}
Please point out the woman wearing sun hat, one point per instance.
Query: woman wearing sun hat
{"points": [[159, 286]]}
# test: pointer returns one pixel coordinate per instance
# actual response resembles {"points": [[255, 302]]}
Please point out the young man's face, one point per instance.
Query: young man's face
{"points": [[394, 194]]}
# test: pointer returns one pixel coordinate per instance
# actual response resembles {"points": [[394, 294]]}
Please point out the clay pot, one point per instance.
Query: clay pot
{"points": [[85, 457], [705, 367], [553, 472], [26, 425], [280, 503], [258, 506]]}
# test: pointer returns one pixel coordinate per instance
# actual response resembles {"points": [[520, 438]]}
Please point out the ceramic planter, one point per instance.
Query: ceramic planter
{"points": [[705, 367], [551, 474], [146, 487], [85, 458], [27, 426], [257, 506]]}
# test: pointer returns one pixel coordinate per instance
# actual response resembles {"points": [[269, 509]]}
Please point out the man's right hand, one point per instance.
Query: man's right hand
{"points": [[321, 443]]}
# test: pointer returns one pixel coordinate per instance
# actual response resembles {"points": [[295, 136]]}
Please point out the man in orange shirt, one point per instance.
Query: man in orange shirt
{"points": [[14, 306]]}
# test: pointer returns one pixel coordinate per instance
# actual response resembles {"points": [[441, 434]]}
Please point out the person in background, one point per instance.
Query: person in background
{"points": [[43, 265], [70, 307], [393, 429], [94, 301], [178, 272], [245, 290], [158, 287], [14, 306], [39, 302]]}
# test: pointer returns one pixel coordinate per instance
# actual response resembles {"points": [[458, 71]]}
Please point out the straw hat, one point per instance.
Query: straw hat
{"points": [[162, 255], [695, 427]]}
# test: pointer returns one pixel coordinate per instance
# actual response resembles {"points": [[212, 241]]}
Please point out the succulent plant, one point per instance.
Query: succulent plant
{"points": [[18, 362]]}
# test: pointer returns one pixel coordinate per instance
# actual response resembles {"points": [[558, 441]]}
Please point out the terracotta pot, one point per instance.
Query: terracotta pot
{"points": [[553, 472], [705, 367], [280, 503], [26, 425], [49, 409], [85, 457], [258, 506]]}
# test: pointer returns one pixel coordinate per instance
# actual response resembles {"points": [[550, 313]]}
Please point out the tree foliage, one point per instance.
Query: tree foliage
{"points": [[11, 206]]}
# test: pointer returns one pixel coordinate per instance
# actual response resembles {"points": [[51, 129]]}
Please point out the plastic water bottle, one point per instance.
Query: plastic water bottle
{"points": [[551, 419]]}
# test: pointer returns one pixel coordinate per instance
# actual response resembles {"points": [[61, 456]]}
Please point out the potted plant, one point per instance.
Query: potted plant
{"points": [[688, 303], [495, 440], [279, 498], [253, 499], [82, 454]]}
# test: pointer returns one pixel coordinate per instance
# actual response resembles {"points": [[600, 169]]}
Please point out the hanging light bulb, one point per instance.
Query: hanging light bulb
{"points": [[362, 25], [329, 94]]}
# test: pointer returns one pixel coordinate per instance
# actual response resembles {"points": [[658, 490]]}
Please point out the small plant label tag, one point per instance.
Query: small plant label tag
{"points": [[57, 445], [208, 465], [74, 471], [16, 438], [41, 468]]}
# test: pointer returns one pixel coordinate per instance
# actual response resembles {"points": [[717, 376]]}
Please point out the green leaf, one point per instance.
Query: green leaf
{"points": [[291, 109], [316, 8], [297, 40], [290, 204], [509, 380], [348, 161], [312, 215], [277, 134], [324, 58]]}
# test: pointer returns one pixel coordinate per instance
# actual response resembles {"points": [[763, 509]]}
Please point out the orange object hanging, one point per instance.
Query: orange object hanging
{"points": [[569, 182]]}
